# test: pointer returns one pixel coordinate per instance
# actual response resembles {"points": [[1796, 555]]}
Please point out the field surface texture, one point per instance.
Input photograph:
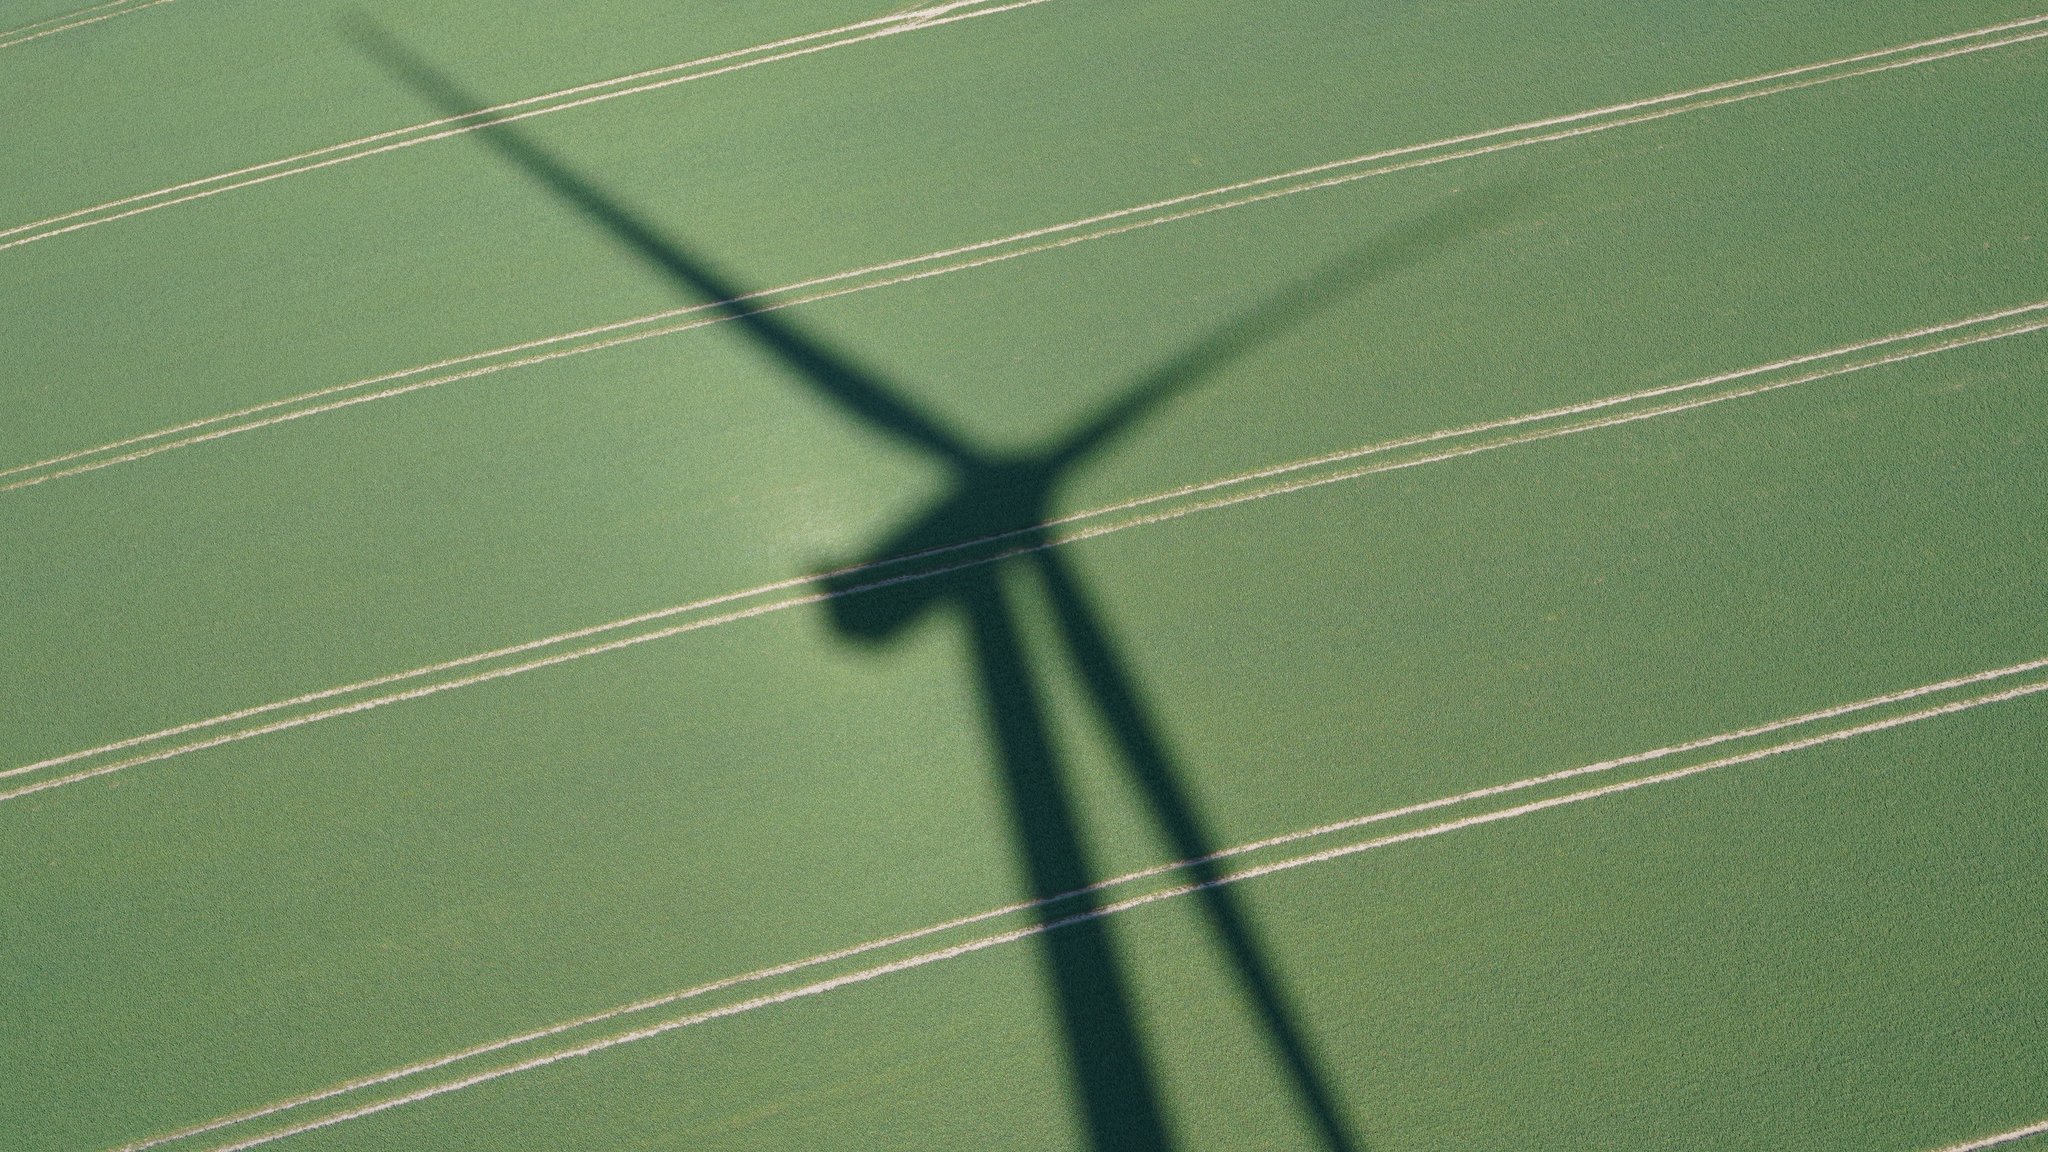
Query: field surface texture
{"points": [[1094, 574]]}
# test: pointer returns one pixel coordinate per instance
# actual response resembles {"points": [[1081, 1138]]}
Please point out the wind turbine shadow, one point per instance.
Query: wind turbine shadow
{"points": [[1012, 496]]}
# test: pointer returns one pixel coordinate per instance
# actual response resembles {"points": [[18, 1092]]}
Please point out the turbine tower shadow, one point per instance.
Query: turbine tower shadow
{"points": [[1010, 497]]}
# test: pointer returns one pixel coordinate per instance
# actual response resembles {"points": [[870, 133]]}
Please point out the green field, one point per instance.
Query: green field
{"points": [[598, 622]]}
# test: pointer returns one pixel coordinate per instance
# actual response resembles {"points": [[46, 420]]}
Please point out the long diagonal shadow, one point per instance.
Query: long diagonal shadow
{"points": [[1113, 1078]]}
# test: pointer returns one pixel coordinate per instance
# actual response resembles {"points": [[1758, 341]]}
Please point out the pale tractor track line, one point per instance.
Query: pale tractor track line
{"points": [[545, 104], [40, 29], [1296, 476], [629, 1023], [2037, 1128], [1013, 246], [46, 21]]}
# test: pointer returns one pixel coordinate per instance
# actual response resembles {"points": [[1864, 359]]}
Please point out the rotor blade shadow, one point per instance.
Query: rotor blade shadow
{"points": [[1392, 251], [1010, 498], [1138, 737], [828, 372]]}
